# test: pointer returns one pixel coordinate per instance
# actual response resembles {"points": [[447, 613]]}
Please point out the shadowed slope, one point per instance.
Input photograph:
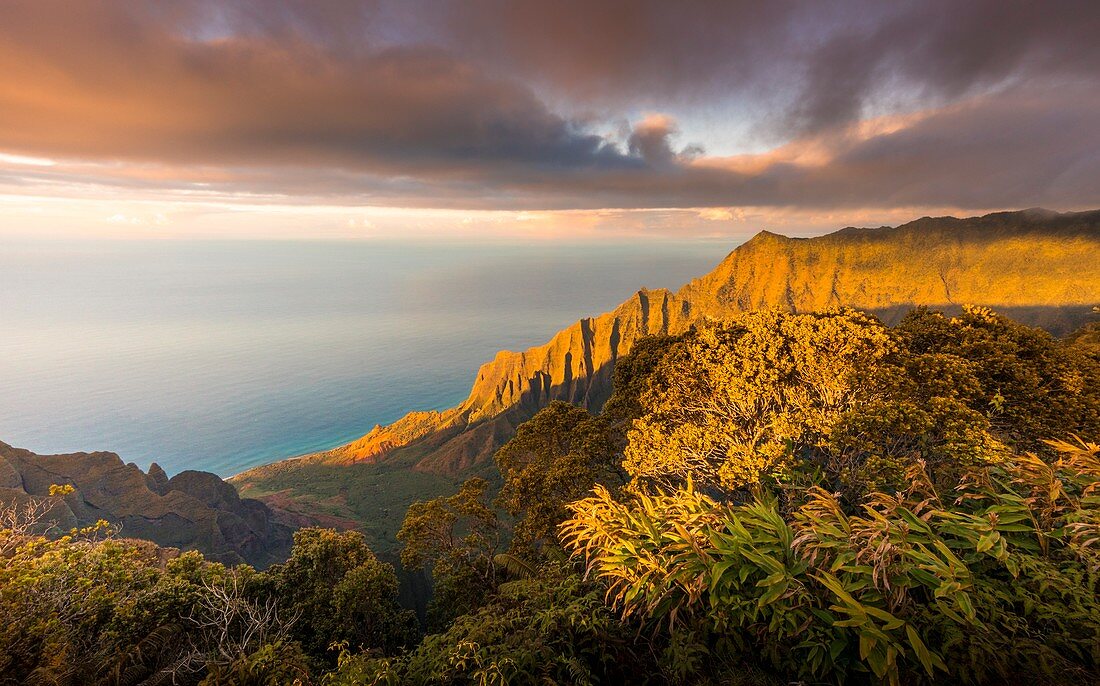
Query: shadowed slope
{"points": [[192, 510]]}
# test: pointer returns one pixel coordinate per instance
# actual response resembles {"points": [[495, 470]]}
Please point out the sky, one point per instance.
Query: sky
{"points": [[516, 119]]}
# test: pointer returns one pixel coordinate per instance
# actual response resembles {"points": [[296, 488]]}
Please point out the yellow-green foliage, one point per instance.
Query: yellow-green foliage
{"points": [[1028, 385], [1087, 337], [88, 609], [339, 591], [750, 399], [735, 400], [555, 629], [997, 578], [272, 664], [81, 609], [68, 601]]}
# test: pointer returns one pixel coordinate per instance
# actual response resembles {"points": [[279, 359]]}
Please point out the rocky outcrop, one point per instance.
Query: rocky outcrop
{"points": [[1039, 267], [190, 511], [157, 479]]}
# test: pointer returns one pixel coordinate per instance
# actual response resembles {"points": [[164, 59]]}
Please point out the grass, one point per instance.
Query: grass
{"points": [[371, 498]]}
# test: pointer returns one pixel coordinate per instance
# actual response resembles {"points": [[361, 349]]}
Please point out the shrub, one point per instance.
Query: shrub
{"points": [[553, 629], [996, 579]]}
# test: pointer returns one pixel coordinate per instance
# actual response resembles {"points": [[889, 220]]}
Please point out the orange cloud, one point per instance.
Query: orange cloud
{"points": [[331, 104]]}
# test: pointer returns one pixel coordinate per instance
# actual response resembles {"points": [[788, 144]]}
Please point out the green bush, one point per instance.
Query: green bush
{"points": [[272, 664], [553, 628], [338, 591], [996, 579]]}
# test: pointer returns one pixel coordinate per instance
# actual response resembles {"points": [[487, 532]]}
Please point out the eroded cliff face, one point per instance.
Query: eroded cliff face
{"points": [[191, 511], [1038, 267], [1021, 263], [575, 366]]}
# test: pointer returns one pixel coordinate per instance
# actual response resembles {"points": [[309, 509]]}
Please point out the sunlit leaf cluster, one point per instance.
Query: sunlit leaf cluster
{"points": [[995, 578]]}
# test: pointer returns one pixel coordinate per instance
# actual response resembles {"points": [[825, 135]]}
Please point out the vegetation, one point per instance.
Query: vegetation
{"points": [[995, 580], [1087, 337], [87, 608], [746, 400], [770, 499], [341, 593], [459, 536], [369, 497], [553, 460], [551, 628]]}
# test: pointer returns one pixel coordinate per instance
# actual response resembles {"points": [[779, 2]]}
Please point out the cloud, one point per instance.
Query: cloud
{"points": [[806, 66], [722, 214], [651, 141], [255, 103], [1023, 147], [24, 160], [518, 105], [938, 51], [155, 219]]}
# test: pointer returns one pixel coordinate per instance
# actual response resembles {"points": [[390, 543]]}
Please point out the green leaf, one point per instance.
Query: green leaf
{"points": [[773, 594], [716, 573], [919, 648], [866, 645], [772, 579]]}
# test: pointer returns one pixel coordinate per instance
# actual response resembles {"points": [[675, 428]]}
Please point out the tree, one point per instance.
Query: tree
{"points": [[459, 536], [553, 629], [340, 592], [272, 664], [737, 401], [1087, 338], [555, 458], [87, 608], [1030, 385], [630, 380], [770, 395]]}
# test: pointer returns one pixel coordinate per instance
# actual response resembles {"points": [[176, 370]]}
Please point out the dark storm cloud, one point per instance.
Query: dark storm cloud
{"points": [[819, 63], [946, 50], [434, 104]]}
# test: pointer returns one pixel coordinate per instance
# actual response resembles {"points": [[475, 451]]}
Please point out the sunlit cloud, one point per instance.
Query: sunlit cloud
{"points": [[25, 160], [24, 216], [722, 214]]}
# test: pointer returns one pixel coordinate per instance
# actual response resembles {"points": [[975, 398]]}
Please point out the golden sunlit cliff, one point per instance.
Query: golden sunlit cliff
{"points": [[1036, 266]]}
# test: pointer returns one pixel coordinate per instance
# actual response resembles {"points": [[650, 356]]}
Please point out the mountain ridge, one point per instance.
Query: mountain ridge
{"points": [[191, 511], [1035, 265]]}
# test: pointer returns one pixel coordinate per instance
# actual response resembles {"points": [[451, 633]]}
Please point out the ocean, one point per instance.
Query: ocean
{"points": [[222, 355]]}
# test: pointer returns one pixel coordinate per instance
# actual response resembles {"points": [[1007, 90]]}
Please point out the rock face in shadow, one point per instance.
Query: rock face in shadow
{"points": [[1039, 267], [190, 511]]}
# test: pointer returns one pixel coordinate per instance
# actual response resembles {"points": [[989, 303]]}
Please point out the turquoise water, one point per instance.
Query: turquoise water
{"points": [[223, 355]]}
